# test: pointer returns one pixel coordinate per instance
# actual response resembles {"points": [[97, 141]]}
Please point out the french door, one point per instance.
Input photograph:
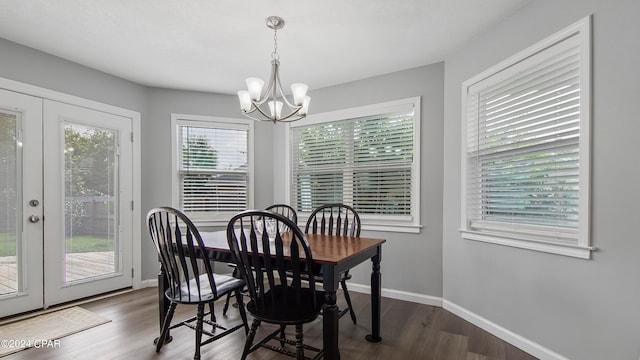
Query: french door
{"points": [[66, 202], [21, 271], [87, 202]]}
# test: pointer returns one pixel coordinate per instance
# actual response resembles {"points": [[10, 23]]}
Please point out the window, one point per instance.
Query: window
{"points": [[212, 167], [527, 148], [365, 157]]}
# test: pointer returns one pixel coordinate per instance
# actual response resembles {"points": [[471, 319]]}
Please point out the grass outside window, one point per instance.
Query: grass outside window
{"points": [[76, 244]]}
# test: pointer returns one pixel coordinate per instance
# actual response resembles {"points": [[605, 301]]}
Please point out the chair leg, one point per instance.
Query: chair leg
{"points": [[243, 313], [299, 343], [282, 337], [212, 316], [250, 337], [165, 327], [199, 317], [348, 298], [226, 304]]}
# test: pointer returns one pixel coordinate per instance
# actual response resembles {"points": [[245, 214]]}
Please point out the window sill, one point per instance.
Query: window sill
{"points": [[410, 229], [413, 229], [577, 251]]}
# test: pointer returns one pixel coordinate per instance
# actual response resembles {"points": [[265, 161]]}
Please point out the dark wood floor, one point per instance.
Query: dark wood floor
{"points": [[409, 331]]}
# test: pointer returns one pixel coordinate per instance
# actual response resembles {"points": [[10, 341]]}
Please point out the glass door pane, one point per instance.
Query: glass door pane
{"points": [[87, 171], [91, 202], [10, 202]]}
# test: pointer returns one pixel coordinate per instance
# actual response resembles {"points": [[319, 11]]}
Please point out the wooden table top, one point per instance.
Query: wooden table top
{"points": [[326, 249]]}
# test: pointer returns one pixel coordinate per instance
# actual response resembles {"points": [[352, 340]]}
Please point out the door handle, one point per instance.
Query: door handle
{"points": [[34, 218]]}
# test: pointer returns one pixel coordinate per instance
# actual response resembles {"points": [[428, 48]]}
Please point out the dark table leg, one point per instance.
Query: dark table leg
{"points": [[330, 315], [376, 296]]}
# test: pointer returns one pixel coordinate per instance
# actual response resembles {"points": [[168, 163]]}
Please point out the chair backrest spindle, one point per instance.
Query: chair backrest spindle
{"points": [[334, 219]]}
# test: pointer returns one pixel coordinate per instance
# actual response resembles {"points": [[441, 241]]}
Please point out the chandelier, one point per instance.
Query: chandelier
{"points": [[253, 99]]}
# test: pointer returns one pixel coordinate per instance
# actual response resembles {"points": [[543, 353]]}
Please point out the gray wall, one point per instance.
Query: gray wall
{"points": [[33, 67], [156, 152], [581, 309], [410, 262]]}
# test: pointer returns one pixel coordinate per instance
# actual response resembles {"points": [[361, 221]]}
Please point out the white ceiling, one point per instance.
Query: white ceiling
{"points": [[209, 45]]}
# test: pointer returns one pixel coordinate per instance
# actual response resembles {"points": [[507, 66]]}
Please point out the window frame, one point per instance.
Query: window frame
{"points": [[210, 218], [403, 224], [581, 246]]}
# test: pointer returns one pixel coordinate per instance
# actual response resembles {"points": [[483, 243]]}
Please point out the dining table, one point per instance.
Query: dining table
{"points": [[336, 254]]}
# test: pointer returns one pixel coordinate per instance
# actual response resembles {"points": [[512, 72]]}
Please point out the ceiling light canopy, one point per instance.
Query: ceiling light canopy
{"points": [[253, 99]]}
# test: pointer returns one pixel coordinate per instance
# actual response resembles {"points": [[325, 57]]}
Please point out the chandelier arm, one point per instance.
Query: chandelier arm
{"points": [[294, 112], [253, 109], [275, 79], [264, 96], [258, 103], [269, 117], [283, 120], [292, 119], [257, 118], [284, 98], [255, 106]]}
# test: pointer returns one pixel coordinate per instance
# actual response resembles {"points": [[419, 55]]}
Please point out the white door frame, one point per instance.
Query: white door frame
{"points": [[29, 235], [136, 235]]}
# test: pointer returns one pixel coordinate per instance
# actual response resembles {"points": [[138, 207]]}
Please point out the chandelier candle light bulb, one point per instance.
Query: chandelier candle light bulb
{"points": [[299, 92], [245, 100], [255, 88], [305, 106], [252, 100], [278, 109]]}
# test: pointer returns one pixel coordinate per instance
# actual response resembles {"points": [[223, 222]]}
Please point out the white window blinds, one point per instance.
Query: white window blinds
{"points": [[212, 168], [366, 162], [524, 148]]}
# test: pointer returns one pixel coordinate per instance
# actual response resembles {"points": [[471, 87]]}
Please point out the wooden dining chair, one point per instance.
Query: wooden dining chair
{"points": [[285, 210], [336, 219], [274, 265], [190, 277], [282, 209]]}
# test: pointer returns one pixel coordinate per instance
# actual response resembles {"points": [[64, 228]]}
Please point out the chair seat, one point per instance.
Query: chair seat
{"points": [[188, 292], [282, 307]]}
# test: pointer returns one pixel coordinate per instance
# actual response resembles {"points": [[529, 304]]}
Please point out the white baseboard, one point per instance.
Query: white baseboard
{"points": [[512, 338], [399, 295], [149, 283]]}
